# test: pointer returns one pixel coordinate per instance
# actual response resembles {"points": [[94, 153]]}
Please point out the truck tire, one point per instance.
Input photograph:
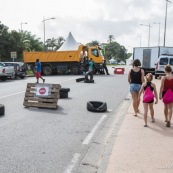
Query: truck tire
{"points": [[96, 106], [47, 71], [2, 109], [75, 70], [3, 78]]}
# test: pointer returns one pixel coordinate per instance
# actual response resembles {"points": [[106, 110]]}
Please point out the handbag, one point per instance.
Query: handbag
{"points": [[168, 97]]}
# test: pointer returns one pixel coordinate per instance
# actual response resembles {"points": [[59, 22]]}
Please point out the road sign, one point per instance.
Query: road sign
{"points": [[13, 55]]}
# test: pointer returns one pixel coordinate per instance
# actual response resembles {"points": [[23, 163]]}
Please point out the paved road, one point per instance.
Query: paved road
{"points": [[54, 141]]}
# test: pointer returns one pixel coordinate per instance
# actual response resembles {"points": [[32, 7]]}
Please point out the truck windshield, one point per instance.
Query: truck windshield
{"points": [[163, 61], [95, 52], [171, 61]]}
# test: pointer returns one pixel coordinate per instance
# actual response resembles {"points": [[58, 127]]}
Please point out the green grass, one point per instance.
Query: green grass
{"points": [[29, 72]]}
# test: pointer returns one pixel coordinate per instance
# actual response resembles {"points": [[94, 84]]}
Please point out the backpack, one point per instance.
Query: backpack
{"points": [[148, 95], [168, 97]]}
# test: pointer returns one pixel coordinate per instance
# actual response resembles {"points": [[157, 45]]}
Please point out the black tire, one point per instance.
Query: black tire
{"points": [[66, 90], [2, 109], [75, 70], [63, 94], [47, 71], [89, 76], [80, 79], [89, 81], [96, 106]]}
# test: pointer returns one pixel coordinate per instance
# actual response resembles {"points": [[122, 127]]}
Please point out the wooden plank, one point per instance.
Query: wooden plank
{"points": [[41, 105], [53, 90], [40, 99], [53, 96], [57, 86]]}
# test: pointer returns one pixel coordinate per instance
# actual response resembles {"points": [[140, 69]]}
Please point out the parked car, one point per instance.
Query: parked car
{"points": [[19, 68], [6, 72], [162, 61]]}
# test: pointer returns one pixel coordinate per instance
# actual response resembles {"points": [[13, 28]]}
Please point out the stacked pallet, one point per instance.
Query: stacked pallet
{"points": [[45, 99]]}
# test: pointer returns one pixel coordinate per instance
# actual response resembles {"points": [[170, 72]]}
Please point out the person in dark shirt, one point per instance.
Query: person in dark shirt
{"points": [[105, 67], [135, 79]]}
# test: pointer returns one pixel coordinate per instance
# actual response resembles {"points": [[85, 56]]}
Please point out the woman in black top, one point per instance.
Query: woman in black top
{"points": [[135, 79]]}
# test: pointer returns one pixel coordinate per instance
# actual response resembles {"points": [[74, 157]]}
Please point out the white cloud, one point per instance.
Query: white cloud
{"points": [[92, 19]]}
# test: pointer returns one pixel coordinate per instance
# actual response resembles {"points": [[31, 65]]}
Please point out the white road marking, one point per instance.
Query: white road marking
{"points": [[12, 94], [24, 91], [91, 134], [73, 163]]}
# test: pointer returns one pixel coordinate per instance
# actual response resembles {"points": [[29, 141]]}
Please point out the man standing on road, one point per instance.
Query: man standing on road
{"points": [[38, 71], [105, 67]]}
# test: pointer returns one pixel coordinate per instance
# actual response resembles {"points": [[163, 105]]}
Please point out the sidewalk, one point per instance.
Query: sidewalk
{"points": [[140, 149]]}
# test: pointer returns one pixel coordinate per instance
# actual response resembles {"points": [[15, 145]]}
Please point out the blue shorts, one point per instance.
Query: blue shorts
{"points": [[135, 88]]}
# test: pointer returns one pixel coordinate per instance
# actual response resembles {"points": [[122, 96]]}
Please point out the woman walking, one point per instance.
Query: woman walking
{"points": [[135, 79], [167, 86]]}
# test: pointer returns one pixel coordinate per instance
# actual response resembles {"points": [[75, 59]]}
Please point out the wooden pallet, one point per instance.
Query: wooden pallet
{"points": [[50, 101]]}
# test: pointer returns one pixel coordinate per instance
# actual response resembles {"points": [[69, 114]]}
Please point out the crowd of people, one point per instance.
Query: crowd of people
{"points": [[139, 85]]}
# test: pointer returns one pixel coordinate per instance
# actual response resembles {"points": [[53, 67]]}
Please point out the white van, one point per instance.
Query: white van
{"points": [[162, 61]]}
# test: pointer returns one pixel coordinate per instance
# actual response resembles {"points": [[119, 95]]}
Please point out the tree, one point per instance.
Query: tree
{"points": [[93, 43], [110, 38]]}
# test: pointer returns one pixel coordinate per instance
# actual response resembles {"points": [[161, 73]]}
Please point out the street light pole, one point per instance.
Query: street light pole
{"points": [[22, 24], [148, 33], [45, 27], [165, 21], [159, 32]]}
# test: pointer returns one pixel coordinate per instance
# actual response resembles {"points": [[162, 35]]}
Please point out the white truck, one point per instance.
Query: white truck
{"points": [[6, 72], [149, 56]]}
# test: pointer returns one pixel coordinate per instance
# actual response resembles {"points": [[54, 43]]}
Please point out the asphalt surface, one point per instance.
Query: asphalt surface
{"points": [[55, 141]]}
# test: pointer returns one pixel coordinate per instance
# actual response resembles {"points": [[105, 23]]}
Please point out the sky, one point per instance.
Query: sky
{"points": [[89, 20]]}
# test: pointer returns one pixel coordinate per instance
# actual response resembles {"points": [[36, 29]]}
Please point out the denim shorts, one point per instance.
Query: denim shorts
{"points": [[135, 88]]}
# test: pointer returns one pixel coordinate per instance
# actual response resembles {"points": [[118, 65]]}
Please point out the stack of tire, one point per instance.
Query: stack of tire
{"points": [[87, 79], [2, 109], [64, 92]]}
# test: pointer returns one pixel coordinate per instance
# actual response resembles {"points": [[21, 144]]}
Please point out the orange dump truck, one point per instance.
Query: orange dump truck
{"points": [[65, 61]]}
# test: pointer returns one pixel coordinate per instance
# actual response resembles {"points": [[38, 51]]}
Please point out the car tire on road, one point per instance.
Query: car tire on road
{"points": [[64, 92], [80, 79], [2, 109], [96, 106], [89, 81]]}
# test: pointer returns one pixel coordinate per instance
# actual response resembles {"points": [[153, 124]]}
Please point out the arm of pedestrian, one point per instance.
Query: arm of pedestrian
{"points": [[161, 87], [140, 92], [142, 77], [155, 94], [129, 77]]}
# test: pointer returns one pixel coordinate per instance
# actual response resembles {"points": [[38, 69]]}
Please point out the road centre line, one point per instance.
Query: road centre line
{"points": [[24, 91], [12, 94], [73, 163], [91, 134]]}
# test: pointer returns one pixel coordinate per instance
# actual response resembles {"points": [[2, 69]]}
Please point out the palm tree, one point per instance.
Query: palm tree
{"points": [[110, 38]]}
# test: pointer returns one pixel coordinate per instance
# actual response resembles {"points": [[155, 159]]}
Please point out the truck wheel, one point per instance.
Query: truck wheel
{"points": [[47, 71], [75, 70]]}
